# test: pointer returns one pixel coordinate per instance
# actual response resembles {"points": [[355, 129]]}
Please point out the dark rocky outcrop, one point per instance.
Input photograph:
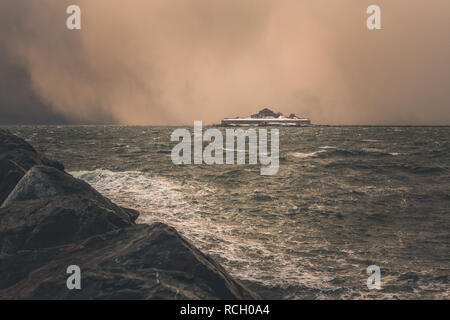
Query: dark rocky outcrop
{"points": [[16, 158], [64, 209], [10, 174], [139, 262], [266, 113], [51, 220]]}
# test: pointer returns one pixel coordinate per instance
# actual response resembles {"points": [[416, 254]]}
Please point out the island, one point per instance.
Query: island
{"points": [[267, 117]]}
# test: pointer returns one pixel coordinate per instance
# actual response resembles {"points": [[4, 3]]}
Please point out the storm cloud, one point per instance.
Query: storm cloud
{"points": [[173, 62]]}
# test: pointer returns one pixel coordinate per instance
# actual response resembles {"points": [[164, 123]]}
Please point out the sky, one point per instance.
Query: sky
{"points": [[170, 62]]}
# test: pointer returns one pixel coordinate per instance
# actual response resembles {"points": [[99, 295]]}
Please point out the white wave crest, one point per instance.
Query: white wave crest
{"points": [[301, 155]]}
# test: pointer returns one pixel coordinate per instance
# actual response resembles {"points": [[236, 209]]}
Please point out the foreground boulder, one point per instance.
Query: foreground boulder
{"points": [[16, 158], [50, 208], [50, 220], [140, 262]]}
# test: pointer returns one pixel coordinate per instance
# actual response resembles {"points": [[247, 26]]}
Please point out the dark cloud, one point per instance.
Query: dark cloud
{"points": [[18, 103]]}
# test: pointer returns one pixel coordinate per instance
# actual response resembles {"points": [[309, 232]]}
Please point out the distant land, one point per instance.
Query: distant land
{"points": [[267, 117]]}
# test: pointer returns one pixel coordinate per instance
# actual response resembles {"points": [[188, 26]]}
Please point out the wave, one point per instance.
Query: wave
{"points": [[134, 189], [418, 169], [301, 155], [365, 152], [190, 208], [329, 152], [371, 140], [232, 238]]}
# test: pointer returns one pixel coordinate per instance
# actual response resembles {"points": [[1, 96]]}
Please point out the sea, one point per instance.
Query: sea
{"points": [[344, 199]]}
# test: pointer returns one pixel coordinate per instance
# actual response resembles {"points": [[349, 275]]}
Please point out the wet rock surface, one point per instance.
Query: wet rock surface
{"points": [[16, 158]]}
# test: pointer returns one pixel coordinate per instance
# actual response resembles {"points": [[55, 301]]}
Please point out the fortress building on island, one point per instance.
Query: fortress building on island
{"points": [[267, 117]]}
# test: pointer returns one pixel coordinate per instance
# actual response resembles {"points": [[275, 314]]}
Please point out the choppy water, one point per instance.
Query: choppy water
{"points": [[344, 198]]}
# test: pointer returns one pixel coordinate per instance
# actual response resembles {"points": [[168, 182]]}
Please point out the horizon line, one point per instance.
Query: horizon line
{"points": [[190, 125]]}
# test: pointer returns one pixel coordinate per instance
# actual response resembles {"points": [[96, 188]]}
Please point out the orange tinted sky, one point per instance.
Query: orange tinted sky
{"points": [[176, 61]]}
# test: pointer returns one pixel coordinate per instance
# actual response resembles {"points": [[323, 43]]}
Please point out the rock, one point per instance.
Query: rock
{"points": [[266, 113], [50, 208], [16, 158], [133, 214], [45, 182], [10, 174], [138, 262]]}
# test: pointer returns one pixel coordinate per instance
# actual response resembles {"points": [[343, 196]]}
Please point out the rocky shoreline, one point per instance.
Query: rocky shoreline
{"points": [[49, 220]]}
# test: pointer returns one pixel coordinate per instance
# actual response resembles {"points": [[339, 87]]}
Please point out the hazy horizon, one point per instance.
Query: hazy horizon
{"points": [[168, 62]]}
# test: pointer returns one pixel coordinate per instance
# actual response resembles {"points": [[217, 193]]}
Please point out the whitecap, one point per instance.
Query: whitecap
{"points": [[190, 208], [301, 155], [371, 140]]}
